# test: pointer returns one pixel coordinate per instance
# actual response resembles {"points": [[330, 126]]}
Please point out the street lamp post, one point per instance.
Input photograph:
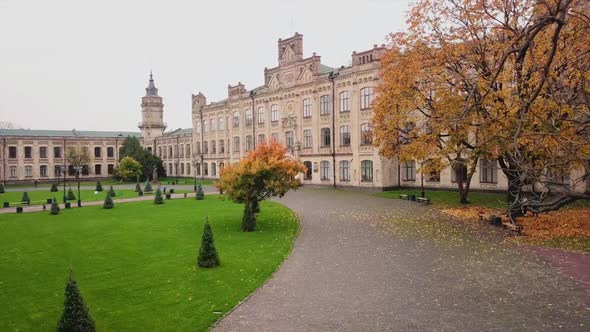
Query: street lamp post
{"points": [[78, 169]]}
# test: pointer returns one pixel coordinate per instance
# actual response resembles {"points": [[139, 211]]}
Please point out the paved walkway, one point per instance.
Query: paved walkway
{"points": [[363, 263]]}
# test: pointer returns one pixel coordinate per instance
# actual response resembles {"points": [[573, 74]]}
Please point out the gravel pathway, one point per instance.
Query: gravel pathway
{"points": [[363, 263]]}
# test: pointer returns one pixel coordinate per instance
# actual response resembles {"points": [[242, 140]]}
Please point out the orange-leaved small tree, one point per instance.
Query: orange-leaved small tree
{"points": [[263, 173]]}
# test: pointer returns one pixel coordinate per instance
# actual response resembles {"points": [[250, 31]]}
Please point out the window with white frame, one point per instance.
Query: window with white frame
{"points": [[249, 143], [260, 139], [366, 97], [260, 115], [488, 171], [248, 118], [236, 119], [12, 171], [221, 146], [344, 99], [213, 170], [28, 171], [307, 139], [344, 136], [409, 170], [367, 170], [325, 137], [325, 170], [306, 108], [325, 105], [366, 134], [274, 113], [43, 171], [289, 139], [274, 136], [236, 144], [344, 170]]}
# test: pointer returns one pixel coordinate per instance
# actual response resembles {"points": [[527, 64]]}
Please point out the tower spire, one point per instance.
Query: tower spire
{"points": [[151, 90]]}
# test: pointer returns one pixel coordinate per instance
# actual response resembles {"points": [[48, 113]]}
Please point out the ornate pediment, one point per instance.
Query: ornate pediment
{"points": [[288, 54], [305, 76], [274, 83]]}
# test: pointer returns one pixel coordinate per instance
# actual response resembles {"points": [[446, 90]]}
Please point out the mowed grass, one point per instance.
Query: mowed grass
{"points": [[451, 198], [135, 264], [87, 195]]}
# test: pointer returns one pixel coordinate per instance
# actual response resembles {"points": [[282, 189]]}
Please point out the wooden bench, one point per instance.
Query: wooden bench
{"points": [[423, 200], [29, 203], [403, 196]]}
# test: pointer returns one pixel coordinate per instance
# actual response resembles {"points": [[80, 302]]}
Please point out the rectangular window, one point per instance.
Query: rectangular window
{"points": [[325, 135], [111, 152], [274, 136], [366, 97], [344, 99], [43, 152], [28, 171], [97, 152], [289, 140], [205, 147], [205, 126], [325, 170], [221, 123], [260, 139], [366, 134], [13, 171], [308, 170], [236, 119], [260, 115], [274, 113], [56, 152], [345, 136], [212, 124], [325, 105], [43, 171], [344, 170], [221, 146], [306, 108], [97, 169], [213, 147], [57, 170], [28, 152], [237, 144], [307, 140], [85, 170], [249, 120], [367, 171], [409, 170], [12, 152], [488, 171], [110, 168], [249, 143]]}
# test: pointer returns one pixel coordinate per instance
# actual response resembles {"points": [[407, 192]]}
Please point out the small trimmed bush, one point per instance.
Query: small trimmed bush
{"points": [[158, 199], [112, 192], [54, 188], [148, 187], [1, 188], [98, 186], [140, 192], [207, 253], [108, 202], [75, 316], [25, 197], [200, 194], [54, 207], [137, 187], [71, 196]]}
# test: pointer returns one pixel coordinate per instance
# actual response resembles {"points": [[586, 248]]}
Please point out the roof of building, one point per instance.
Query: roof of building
{"points": [[151, 90], [325, 69], [67, 133], [179, 131]]}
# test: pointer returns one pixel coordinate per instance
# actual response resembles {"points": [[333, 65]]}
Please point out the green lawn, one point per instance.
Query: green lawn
{"points": [[190, 181], [451, 198], [87, 195], [135, 264]]}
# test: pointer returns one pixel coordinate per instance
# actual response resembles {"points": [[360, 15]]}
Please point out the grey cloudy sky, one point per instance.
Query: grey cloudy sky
{"points": [[84, 64]]}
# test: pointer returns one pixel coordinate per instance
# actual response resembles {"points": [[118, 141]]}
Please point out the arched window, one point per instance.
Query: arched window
{"points": [[213, 124], [213, 147], [325, 137], [205, 147], [306, 108], [249, 143], [205, 126], [237, 144], [236, 119], [366, 134], [260, 116], [170, 151], [344, 99], [325, 170], [308, 170], [182, 151], [221, 124], [248, 118], [205, 169], [213, 170], [366, 97], [159, 151], [367, 170], [221, 146], [260, 139], [344, 170], [289, 139], [182, 168], [344, 136], [325, 105], [188, 150], [198, 168], [188, 168]]}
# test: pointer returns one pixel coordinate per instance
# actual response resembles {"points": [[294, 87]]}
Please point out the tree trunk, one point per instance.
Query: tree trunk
{"points": [[514, 196], [249, 217]]}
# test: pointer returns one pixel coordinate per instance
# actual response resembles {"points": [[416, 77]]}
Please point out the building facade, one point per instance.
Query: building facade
{"points": [[321, 114]]}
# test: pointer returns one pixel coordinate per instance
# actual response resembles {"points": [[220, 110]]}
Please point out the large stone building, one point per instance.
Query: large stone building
{"points": [[322, 114]]}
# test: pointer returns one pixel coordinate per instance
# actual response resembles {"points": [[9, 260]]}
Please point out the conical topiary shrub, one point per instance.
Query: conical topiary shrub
{"points": [[207, 254], [75, 316], [158, 199], [25, 197], [112, 192], [200, 194], [54, 188], [1, 188], [108, 202], [148, 187], [71, 196], [54, 207], [137, 187], [140, 192], [98, 186]]}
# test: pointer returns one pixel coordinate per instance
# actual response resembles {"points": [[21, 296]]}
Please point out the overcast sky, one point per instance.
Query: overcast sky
{"points": [[85, 64]]}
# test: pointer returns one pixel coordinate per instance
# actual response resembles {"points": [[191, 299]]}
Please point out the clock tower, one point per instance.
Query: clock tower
{"points": [[152, 115]]}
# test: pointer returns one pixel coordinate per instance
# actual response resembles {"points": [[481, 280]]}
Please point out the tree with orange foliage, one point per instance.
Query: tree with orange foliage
{"points": [[496, 79], [265, 172]]}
